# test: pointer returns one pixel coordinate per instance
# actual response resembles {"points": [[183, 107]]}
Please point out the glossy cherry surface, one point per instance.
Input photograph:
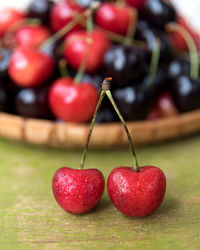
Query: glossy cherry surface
{"points": [[33, 103], [138, 4], [62, 13], [158, 12], [186, 93], [31, 36], [134, 102], [114, 18], [148, 34], [77, 191], [73, 102], [30, 67], [76, 49], [124, 63], [163, 106], [9, 17], [40, 9], [178, 67], [136, 193]]}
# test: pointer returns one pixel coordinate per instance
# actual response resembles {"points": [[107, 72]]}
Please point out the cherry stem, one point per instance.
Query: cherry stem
{"points": [[109, 95], [194, 61], [131, 27], [63, 68], [102, 95], [154, 61], [81, 70], [77, 19]]}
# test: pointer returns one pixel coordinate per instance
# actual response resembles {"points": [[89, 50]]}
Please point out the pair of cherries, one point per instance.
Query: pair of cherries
{"points": [[137, 191]]}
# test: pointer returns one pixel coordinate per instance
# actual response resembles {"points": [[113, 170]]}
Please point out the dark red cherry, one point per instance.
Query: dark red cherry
{"points": [[76, 49], [178, 67], [148, 34], [186, 93], [33, 103], [114, 18], [163, 106], [40, 9], [133, 101], [124, 63], [62, 13], [138, 4], [158, 12]]}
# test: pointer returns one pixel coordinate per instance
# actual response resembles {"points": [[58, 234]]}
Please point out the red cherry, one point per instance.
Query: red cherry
{"points": [[30, 67], [73, 102], [136, 193], [8, 17], [62, 13], [114, 18], [77, 46], [31, 36], [163, 107], [177, 39], [138, 4], [77, 191]]}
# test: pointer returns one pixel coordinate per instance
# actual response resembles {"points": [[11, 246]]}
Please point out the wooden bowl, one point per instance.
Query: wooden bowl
{"points": [[70, 135]]}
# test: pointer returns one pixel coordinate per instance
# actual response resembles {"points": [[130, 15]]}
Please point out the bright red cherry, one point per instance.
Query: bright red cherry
{"points": [[77, 191], [138, 4], [31, 36], [62, 13], [30, 67], [136, 193], [8, 17], [114, 18], [76, 49], [73, 102]]}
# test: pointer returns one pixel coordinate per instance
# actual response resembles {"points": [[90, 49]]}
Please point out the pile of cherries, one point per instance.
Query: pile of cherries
{"points": [[34, 81]]}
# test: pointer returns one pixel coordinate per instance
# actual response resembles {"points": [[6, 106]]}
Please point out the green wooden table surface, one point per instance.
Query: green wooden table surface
{"points": [[31, 219]]}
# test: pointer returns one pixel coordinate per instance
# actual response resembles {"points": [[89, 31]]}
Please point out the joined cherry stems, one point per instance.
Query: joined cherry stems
{"points": [[106, 91]]}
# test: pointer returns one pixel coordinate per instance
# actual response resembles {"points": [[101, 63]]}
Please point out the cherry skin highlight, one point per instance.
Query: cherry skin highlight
{"points": [[73, 102], [30, 67], [136, 193], [31, 36], [9, 17], [114, 18], [77, 191], [76, 48]]}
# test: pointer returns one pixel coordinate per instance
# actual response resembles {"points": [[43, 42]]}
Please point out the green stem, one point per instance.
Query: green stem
{"points": [[131, 27], [136, 165], [82, 67], [154, 61], [194, 61], [63, 68], [91, 128], [77, 19]]}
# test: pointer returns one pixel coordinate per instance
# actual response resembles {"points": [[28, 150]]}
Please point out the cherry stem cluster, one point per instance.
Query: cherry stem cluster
{"points": [[106, 91], [194, 70], [77, 19], [89, 41]]}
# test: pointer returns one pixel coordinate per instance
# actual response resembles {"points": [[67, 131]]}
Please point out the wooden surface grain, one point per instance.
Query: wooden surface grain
{"points": [[31, 219]]}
